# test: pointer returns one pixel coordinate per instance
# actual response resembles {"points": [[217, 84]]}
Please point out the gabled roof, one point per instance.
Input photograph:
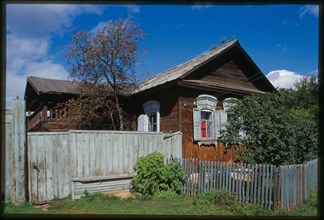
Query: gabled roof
{"points": [[44, 85], [183, 69]]}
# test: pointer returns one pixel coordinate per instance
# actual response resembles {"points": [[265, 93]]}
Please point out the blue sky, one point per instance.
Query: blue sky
{"points": [[283, 40]]}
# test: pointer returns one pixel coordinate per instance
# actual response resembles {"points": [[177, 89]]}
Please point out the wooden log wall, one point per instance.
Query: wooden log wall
{"points": [[191, 149]]}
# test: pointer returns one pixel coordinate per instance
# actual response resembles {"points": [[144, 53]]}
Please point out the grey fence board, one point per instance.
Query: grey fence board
{"points": [[280, 188], [15, 153], [9, 191], [48, 163], [56, 157], [271, 183], [295, 183]]}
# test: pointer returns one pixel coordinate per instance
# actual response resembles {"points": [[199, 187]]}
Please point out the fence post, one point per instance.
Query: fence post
{"points": [[276, 190], [17, 153]]}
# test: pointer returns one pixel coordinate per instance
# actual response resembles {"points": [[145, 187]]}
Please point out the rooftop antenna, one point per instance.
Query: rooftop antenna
{"points": [[222, 40]]}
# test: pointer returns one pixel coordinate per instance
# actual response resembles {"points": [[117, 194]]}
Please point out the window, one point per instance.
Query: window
{"points": [[204, 117], [208, 122], [228, 103], [150, 121]]}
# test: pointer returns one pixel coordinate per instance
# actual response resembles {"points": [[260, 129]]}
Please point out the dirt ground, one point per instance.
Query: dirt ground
{"points": [[122, 195], [43, 207]]}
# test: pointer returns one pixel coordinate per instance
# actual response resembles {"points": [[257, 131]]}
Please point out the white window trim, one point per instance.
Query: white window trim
{"points": [[204, 103], [142, 123], [152, 107], [227, 103], [211, 136]]}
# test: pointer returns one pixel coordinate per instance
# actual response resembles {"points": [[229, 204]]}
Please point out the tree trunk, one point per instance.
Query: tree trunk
{"points": [[120, 113]]}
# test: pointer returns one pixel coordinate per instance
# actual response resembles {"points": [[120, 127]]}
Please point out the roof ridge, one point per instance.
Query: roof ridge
{"points": [[182, 68], [69, 80]]}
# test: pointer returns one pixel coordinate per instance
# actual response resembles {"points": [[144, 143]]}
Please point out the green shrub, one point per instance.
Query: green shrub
{"points": [[166, 194], [175, 176], [154, 176]]}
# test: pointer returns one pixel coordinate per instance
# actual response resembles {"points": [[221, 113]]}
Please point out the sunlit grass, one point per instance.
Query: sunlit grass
{"points": [[213, 203]]}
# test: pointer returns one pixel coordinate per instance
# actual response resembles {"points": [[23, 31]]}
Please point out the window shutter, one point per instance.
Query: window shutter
{"points": [[217, 123], [223, 119], [220, 121], [196, 125], [142, 123]]}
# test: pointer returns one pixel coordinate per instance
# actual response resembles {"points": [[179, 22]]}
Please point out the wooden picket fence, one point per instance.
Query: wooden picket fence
{"points": [[295, 184], [275, 188]]}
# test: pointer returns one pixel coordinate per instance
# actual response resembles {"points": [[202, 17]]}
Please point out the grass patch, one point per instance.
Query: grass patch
{"points": [[308, 208], [215, 203], [26, 208]]}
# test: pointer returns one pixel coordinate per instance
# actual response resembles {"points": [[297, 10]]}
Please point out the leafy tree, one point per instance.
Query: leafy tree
{"points": [[90, 110], [278, 128], [103, 61], [304, 96]]}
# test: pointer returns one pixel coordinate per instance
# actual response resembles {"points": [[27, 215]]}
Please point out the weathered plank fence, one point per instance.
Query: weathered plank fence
{"points": [[295, 183], [42, 166], [14, 160], [55, 164], [61, 163], [276, 188]]}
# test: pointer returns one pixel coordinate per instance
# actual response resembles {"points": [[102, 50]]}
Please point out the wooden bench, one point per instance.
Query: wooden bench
{"points": [[115, 183]]}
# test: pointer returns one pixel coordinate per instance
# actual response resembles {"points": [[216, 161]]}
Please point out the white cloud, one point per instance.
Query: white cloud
{"points": [[283, 78], [26, 57], [309, 9], [40, 19], [16, 80], [22, 52], [29, 29], [46, 69], [15, 86], [26, 48]]}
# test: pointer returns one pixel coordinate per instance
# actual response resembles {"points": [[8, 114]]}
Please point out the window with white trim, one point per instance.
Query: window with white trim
{"points": [[204, 121], [150, 121], [206, 124], [227, 104], [207, 121]]}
